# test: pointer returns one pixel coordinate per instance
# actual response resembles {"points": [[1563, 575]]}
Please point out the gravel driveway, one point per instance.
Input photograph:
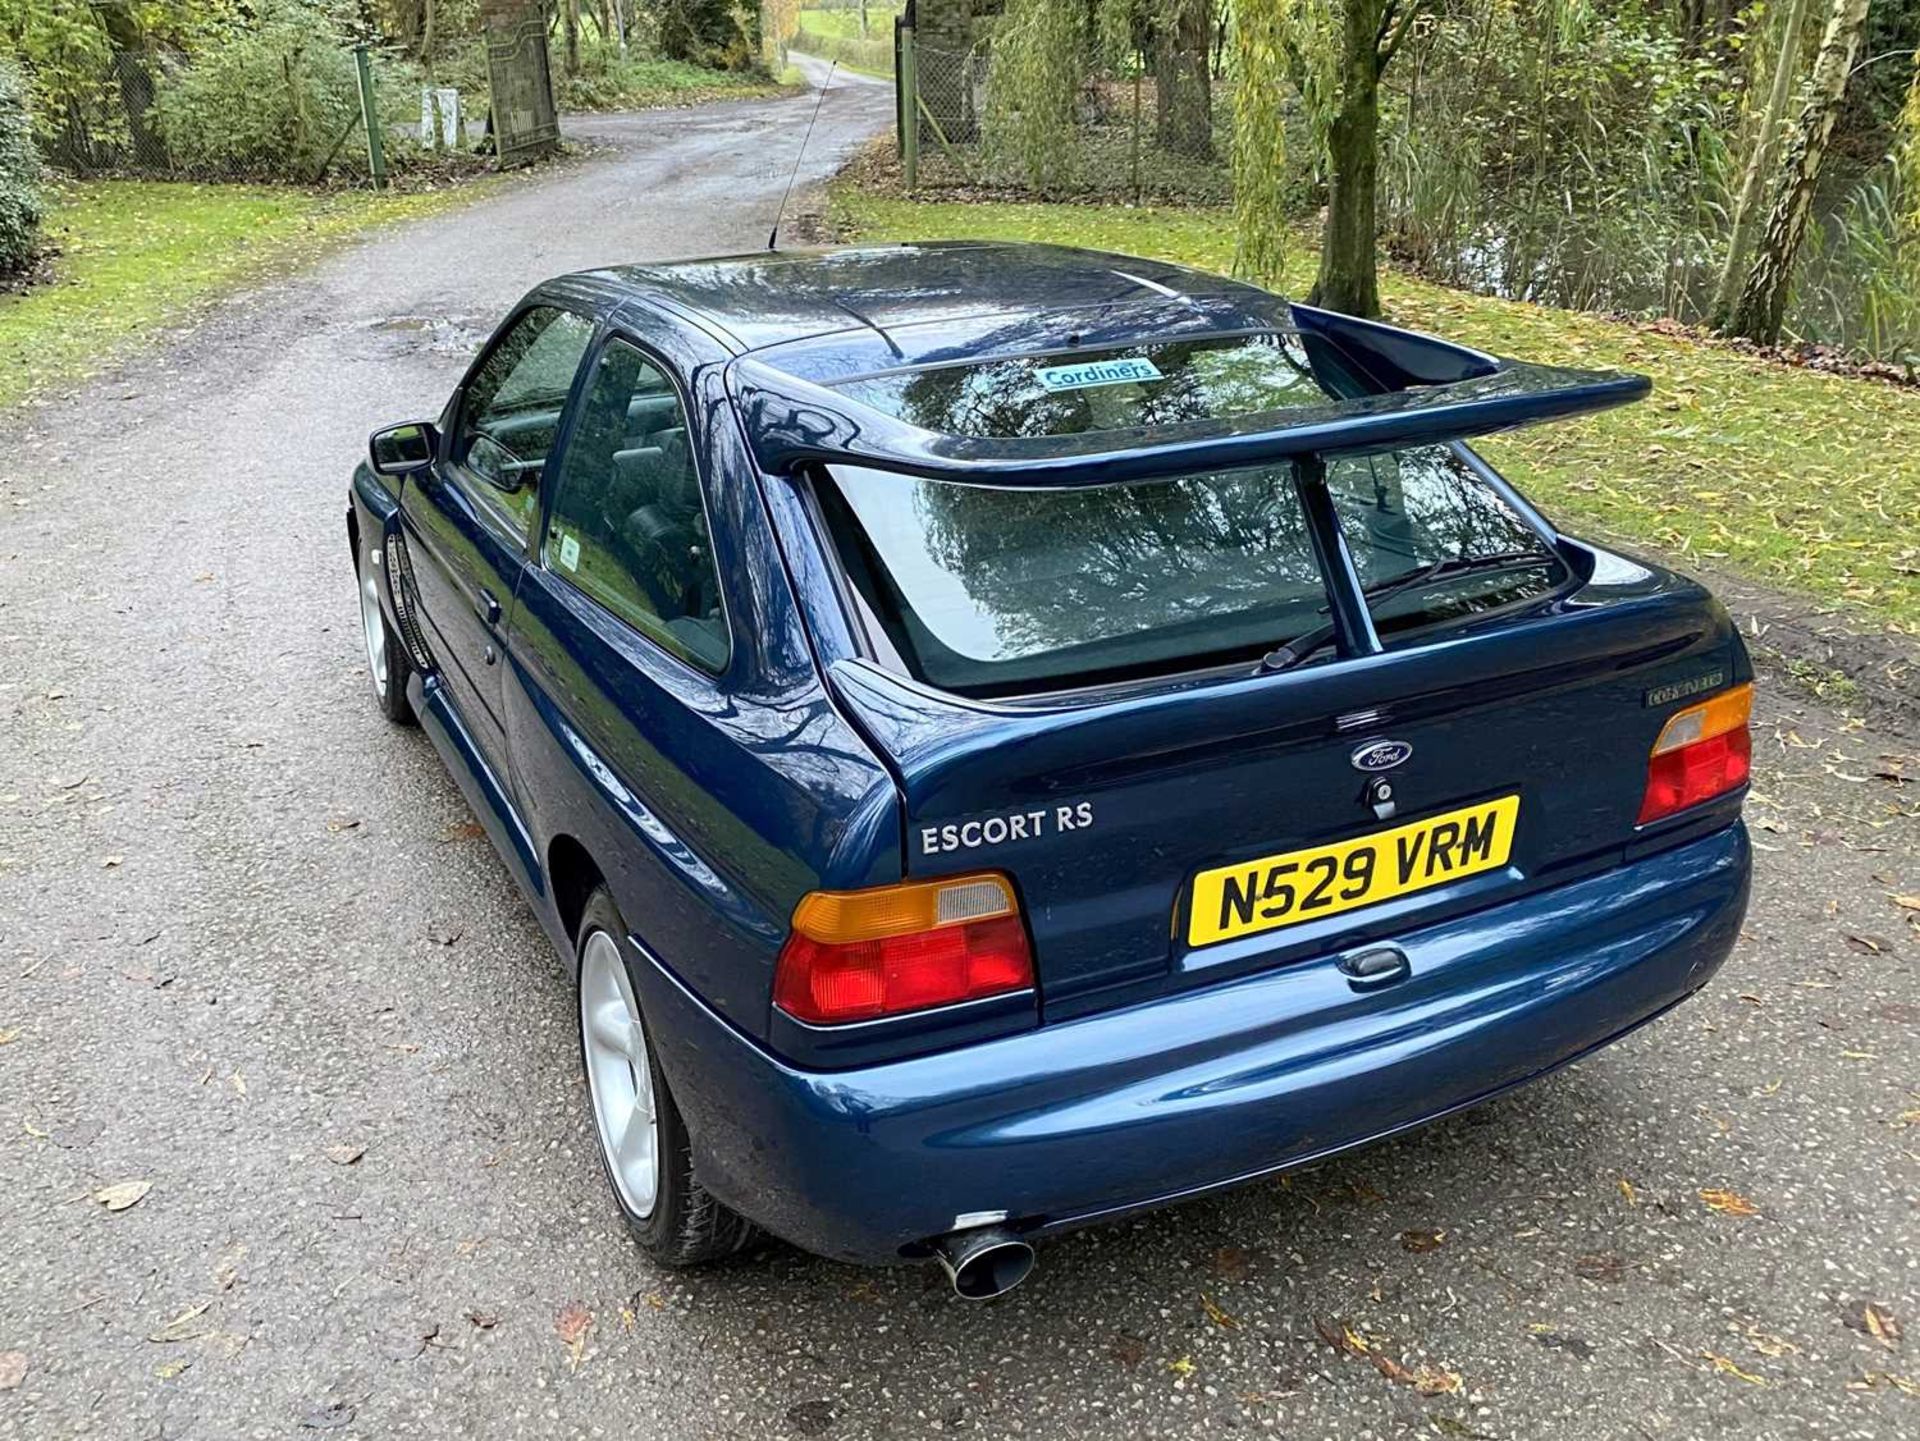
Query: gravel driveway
{"points": [[255, 956]]}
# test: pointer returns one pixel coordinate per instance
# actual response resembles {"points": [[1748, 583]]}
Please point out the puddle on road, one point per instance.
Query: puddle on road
{"points": [[457, 335]]}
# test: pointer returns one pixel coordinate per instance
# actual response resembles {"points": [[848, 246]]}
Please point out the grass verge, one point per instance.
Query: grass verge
{"points": [[609, 83], [1807, 481], [137, 255], [835, 35]]}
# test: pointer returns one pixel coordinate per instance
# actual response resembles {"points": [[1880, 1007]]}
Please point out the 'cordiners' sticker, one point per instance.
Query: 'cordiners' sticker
{"points": [[569, 552], [1126, 370]]}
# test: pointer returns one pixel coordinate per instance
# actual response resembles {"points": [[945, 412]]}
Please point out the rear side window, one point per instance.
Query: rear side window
{"points": [[985, 591], [626, 525], [511, 414], [1422, 511]]}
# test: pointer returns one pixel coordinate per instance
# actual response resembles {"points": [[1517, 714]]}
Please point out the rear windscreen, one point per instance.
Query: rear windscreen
{"points": [[988, 591], [1094, 389]]}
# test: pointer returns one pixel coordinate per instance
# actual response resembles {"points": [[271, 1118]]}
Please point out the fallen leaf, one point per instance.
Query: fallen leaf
{"points": [[122, 1194], [1907, 903], [1216, 1314], [1728, 1203], [407, 1338], [1421, 1241], [9, 1036], [1870, 945], [227, 1273], [1872, 1319], [238, 1082], [1602, 1267], [1727, 1366], [1875, 1378], [1626, 1189], [343, 824], [330, 1416], [13, 1369], [484, 1320], [463, 831], [571, 1325], [1768, 1344], [1231, 1263], [1128, 1350], [185, 1326], [167, 1370], [107, 863], [1183, 1367], [344, 1153]]}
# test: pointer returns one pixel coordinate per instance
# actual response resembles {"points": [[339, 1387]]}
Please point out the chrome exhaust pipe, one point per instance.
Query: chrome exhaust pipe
{"points": [[984, 1263]]}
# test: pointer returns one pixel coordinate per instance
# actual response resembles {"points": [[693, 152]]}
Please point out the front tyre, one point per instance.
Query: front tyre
{"points": [[387, 662], [643, 1140]]}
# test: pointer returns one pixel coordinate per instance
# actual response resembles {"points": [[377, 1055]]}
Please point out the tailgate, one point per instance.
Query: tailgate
{"points": [[1530, 739]]}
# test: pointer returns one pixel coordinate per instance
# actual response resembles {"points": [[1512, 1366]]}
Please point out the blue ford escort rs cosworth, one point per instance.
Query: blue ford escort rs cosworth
{"points": [[1007, 736]]}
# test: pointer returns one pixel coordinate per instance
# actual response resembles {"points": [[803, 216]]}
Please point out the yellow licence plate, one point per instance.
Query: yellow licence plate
{"points": [[1273, 891]]}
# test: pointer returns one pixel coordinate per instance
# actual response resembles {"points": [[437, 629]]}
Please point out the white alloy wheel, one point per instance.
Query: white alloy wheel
{"points": [[619, 1077]]}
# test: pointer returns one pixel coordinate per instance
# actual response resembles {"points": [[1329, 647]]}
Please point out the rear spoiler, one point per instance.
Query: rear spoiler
{"points": [[1412, 389]]}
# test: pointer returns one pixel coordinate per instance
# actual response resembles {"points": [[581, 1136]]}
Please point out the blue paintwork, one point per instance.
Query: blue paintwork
{"points": [[1153, 1102], [1140, 1069]]}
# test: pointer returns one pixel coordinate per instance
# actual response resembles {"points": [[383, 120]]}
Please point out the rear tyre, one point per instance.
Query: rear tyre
{"points": [[642, 1137], [387, 664]]}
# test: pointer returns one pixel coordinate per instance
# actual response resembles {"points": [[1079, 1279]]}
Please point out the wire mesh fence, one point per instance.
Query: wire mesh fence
{"points": [[1121, 145], [300, 118]]}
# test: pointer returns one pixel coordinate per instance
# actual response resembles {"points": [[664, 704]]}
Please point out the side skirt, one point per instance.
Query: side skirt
{"points": [[489, 800]]}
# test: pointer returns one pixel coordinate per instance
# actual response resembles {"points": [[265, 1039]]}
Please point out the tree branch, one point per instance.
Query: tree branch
{"points": [[1385, 52]]}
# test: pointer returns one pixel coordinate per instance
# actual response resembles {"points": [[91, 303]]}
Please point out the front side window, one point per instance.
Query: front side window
{"points": [[626, 525], [511, 414]]}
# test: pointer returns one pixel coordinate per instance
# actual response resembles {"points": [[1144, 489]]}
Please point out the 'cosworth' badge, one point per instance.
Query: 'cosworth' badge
{"points": [[1377, 756]]}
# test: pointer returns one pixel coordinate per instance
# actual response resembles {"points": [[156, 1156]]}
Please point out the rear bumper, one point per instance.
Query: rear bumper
{"points": [[1133, 1108]]}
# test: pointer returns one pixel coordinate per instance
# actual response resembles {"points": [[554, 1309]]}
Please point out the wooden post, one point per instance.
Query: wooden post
{"points": [[370, 114], [909, 109]]}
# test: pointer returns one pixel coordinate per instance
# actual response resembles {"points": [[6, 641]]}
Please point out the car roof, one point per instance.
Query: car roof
{"points": [[750, 302]]}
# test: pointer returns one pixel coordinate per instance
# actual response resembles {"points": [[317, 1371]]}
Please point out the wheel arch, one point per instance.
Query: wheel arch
{"points": [[572, 876]]}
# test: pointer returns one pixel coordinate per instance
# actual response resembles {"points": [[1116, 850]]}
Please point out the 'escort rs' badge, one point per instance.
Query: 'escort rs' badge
{"points": [[1377, 756]]}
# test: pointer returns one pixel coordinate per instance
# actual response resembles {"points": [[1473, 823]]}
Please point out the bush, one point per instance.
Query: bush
{"points": [[272, 99], [19, 173]]}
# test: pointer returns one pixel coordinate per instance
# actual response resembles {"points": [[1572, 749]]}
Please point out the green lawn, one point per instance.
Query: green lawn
{"points": [[835, 35], [1807, 481], [137, 255]]}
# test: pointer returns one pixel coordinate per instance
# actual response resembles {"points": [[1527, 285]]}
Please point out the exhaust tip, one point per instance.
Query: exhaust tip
{"points": [[984, 1264]]}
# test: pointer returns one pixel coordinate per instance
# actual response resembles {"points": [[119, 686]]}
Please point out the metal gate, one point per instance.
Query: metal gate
{"points": [[525, 124]]}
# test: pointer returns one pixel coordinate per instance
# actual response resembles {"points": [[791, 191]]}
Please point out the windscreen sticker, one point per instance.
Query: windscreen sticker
{"points": [[1127, 370], [569, 552]]}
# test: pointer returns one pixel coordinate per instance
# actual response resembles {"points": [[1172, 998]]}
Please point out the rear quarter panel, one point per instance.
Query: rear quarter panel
{"points": [[710, 803]]}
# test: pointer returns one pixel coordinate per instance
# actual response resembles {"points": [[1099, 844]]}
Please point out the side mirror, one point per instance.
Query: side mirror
{"points": [[403, 449]]}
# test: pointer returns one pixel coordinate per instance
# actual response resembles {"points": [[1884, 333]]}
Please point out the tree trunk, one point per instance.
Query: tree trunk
{"points": [[571, 19], [1349, 263], [426, 35], [1183, 79], [1763, 301], [1766, 146]]}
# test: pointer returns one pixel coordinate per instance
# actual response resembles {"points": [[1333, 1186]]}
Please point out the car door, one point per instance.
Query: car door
{"points": [[468, 518]]}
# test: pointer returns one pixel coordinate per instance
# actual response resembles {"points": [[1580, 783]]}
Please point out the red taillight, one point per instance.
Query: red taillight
{"points": [[1703, 752], [855, 955]]}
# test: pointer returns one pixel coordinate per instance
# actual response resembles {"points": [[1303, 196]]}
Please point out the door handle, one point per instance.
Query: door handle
{"points": [[487, 608]]}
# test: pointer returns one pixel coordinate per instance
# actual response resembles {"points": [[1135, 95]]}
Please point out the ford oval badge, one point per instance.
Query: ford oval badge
{"points": [[1377, 756]]}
